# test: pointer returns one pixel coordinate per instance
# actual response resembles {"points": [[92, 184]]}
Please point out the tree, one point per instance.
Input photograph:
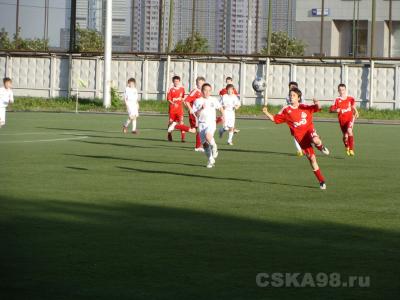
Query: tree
{"points": [[18, 43], [200, 45], [88, 40], [283, 45]]}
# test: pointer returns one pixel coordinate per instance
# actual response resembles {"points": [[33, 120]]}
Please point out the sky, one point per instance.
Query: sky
{"points": [[31, 18]]}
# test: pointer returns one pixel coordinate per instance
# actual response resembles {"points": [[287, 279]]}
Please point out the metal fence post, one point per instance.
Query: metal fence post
{"points": [[52, 76], [371, 83], [242, 82], [266, 76], [70, 66], [166, 77], [397, 87], [145, 78], [97, 79]]}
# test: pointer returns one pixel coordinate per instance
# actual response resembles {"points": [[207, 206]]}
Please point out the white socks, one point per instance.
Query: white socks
{"points": [[230, 137], [297, 146], [134, 125], [171, 127]]}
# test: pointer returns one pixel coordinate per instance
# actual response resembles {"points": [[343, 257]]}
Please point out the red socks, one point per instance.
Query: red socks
{"points": [[198, 141], [182, 127], [183, 134], [219, 120], [346, 142], [319, 175], [351, 142], [320, 147]]}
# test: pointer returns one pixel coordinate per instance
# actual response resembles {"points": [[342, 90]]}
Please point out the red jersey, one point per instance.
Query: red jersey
{"points": [[299, 120], [173, 94], [344, 108], [224, 91], [194, 94]]}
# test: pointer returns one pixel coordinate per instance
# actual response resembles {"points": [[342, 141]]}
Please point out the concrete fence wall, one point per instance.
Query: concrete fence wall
{"points": [[59, 75]]}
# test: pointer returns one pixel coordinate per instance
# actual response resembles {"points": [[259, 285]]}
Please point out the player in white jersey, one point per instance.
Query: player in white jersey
{"points": [[132, 105], [230, 102], [294, 85], [6, 97], [205, 109]]}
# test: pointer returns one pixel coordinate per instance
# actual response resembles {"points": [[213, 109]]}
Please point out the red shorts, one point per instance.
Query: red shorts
{"points": [[192, 121], [306, 142], [346, 124], [176, 116]]}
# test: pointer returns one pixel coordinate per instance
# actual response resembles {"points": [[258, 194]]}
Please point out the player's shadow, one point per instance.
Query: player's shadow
{"points": [[213, 177], [116, 144], [108, 157], [59, 249], [77, 168], [75, 129]]}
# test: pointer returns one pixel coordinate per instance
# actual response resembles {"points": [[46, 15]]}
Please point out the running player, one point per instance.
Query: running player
{"points": [[345, 107], [299, 118], [175, 98], [205, 110], [230, 102], [132, 105]]}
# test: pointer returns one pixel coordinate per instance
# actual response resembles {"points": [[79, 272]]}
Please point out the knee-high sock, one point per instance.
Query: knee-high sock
{"points": [[297, 146], [319, 175], [183, 135], [126, 124], [213, 146], [182, 127], [208, 152], [134, 124], [351, 142], [198, 140], [346, 141], [230, 137]]}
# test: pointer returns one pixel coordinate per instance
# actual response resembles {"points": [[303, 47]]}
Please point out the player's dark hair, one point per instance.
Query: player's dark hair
{"points": [[204, 85], [6, 79], [200, 78], [341, 85], [228, 78], [229, 86], [132, 80], [298, 92], [293, 83], [176, 77]]}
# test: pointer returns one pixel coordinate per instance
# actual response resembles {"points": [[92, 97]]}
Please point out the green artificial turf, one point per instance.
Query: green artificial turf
{"points": [[89, 213]]}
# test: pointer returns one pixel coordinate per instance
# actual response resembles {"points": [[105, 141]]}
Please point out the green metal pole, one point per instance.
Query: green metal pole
{"points": [[353, 48], [170, 24], [269, 29], [373, 27]]}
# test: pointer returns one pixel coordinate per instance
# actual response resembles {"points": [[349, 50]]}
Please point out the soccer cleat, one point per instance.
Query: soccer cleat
{"points": [[211, 163], [325, 150], [200, 149], [351, 152], [221, 132], [322, 185], [230, 143], [299, 153], [169, 137], [236, 130], [348, 151], [183, 141], [124, 129], [135, 132]]}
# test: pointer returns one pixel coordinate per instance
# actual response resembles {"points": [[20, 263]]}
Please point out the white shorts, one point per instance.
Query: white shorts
{"points": [[133, 111], [205, 129], [229, 119], [2, 115]]}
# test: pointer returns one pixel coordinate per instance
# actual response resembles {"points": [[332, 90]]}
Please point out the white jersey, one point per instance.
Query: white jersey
{"points": [[229, 102], [206, 109], [6, 97], [131, 96]]}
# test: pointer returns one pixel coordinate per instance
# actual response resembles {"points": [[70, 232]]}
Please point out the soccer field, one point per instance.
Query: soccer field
{"points": [[87, 212]]}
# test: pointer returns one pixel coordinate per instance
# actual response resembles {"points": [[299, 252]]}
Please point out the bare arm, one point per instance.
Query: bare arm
{"points": [[268, 114]]}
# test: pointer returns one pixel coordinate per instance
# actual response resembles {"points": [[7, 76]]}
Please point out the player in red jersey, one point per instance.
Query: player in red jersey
{"points": [[175, 98], [228, 80], [190, 99], [345, 107], [299, 118]]}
